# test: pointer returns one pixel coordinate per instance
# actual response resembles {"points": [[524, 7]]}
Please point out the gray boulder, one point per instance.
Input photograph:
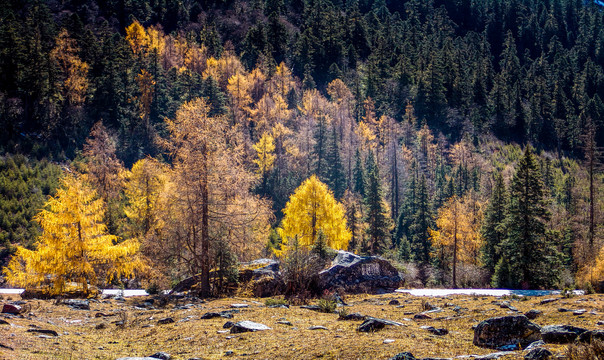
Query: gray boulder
{"points": [[356, 274], [374, 324], [403, 356], [248, 326], [588, 336], [504, 331], [533, 314], [561, 334], [538, 354], [264, 276], [77, 304]]}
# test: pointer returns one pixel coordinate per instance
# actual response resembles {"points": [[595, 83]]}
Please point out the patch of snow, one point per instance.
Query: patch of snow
{"points": [[482, 292], [125, 293]]}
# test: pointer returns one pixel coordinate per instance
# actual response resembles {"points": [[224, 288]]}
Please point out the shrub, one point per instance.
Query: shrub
{"points": [[275, 302], [153, 289], [299, 269], [326, 306]]}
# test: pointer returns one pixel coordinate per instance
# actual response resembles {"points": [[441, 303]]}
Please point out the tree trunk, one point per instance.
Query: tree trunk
{"points": [[205, 236]]}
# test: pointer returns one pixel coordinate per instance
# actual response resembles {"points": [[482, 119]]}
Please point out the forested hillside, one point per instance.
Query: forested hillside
{"points": [[462, 138]]}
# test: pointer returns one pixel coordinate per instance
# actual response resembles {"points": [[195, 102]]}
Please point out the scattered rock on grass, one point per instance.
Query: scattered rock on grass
{"points": [[167, 320], [11, 309], [43, 331], [374, 324], [547, 301], [587, 336], [317, 328], [533, 314], [403, 356], [4, 322], [161, 355], [507, 330], [538, 354], [228, 325], [353, 316], [561, 334], [77, 304], [394, 302], [435, 331], [246, 326]]}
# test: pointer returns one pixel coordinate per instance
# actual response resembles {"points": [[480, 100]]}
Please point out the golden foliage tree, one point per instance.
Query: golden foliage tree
{"points": [[265, 151], [72, 81], [209, 194], [458, 232], [313, 208], [74, 245], [137, 37], [143, 187]]}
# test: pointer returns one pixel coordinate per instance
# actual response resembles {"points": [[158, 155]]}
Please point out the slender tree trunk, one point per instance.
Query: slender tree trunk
{"points": [[455, 252], [205, 237]]}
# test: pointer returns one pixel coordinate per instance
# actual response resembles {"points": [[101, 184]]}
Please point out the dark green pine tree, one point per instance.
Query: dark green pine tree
{"points": [[529, 255], [493, 227], [376, 216], [335, 169], [320, 150], [215, 96], [421, 222], [359, 174]]}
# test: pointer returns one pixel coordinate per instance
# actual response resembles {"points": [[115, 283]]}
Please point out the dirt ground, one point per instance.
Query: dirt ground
{"points": [[112, 329]]}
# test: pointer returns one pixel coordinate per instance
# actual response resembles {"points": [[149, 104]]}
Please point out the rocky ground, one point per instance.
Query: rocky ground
{"points": [[439, 327]]}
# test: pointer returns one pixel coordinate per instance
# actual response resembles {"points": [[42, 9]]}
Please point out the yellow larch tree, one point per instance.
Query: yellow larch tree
{"points": [[282, 81], [593, 273], [265, 153], [72, 81], [458, 233], [74, 245], [143, 187], [310, 209], [137, 37]]}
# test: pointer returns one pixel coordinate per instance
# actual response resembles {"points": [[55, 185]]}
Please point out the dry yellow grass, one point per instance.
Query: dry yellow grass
{"points": [[191, 337]]}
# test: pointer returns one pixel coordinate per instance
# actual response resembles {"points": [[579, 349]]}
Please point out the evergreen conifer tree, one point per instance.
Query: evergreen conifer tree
{"points": [[493, 227], [527, 253], [377, 217], [422, 220], [359, 174]]}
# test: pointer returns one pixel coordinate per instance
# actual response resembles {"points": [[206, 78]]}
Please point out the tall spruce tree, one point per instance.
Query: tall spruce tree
{"points": [[359, 174], [422, 220], [336, 179], [493, 227], [528, 257], [377, 218]]}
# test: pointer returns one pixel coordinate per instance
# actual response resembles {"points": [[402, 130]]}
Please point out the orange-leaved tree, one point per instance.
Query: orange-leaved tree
{"points": [[74, 246], [458, 231], [310, 209]]}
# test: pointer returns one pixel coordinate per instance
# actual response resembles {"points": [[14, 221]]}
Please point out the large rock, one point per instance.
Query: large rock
{"points": [[355, 274], [588, 336], [263, 277], [77, 304], [503, 331], [561, 334], [11, 309], [246, 326], [538, 354], [373, 324], [403, 356]]}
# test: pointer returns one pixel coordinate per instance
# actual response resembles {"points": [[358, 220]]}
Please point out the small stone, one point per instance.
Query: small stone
{"points": [[538, 354], [547, 301], [533, 314], [535, 344], [4, 322], [11, 309], [374, 324], [317, 328], [240, 306], [388, 341], [161, 355], [353, 316], [284, 322], [394, 302], [229, 353], [77, 304], [579, 312], [245, 326], [601, 323], [167, 320], [43, 331], [228, 325], [100, 326], [435, 331], [403, 356], [422, 316], [561, 334]]}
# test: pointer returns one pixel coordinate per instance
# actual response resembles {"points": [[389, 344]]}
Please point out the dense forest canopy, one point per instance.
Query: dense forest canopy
{"points": [[410, 112]]}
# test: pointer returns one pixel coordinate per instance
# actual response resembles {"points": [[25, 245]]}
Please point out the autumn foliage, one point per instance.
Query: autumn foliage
{"points": [[74, 246]]}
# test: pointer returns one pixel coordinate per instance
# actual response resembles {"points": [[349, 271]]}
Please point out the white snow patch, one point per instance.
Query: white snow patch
{"points": [[482, 292]]}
